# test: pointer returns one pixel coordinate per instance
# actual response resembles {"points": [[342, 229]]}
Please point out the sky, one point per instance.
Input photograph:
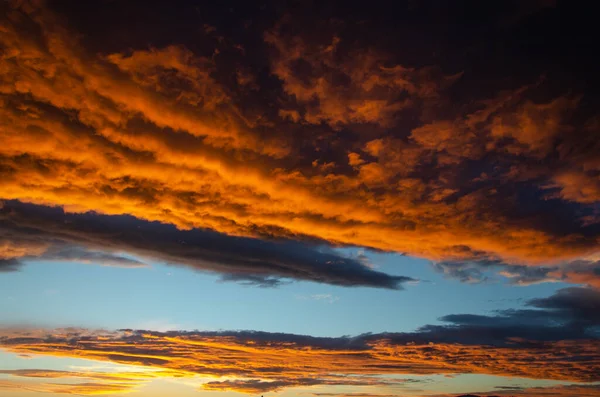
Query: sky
{"points": [[299, 199]]}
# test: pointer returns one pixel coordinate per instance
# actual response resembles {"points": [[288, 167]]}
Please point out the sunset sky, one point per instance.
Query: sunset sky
{"points": [[299, 198]]}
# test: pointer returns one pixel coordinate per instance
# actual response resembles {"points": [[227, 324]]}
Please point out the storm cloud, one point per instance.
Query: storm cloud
{"points": [[30, 232]]}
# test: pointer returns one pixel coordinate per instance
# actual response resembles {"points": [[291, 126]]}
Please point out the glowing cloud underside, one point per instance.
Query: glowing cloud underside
{"points": [[156, 134]]}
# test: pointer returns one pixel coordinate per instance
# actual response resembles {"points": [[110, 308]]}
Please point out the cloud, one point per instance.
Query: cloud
{"points": [[19, 245], [9, 265], [555, 338], [254, 362], [55, 374], [80, 389], [252, 280], [582, 271], [333, 137], [254, 386], [325, 297], [579, 305], [575, 309], [580, 390], [320, 297], [90, 237], [87, 256], [86, 383], [340, 88], [355, 394]]}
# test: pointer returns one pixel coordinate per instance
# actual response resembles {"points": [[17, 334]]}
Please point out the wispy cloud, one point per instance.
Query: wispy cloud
{"points": [[86, 383], [329, 298]]}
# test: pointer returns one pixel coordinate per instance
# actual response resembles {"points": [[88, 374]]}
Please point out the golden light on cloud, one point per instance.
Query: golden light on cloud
{"points": [[151, 133], [86, 383], [319, 145], [259, 362]]}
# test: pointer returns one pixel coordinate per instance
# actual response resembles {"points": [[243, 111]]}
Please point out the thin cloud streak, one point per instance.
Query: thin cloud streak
{"points": [[578, 390], [86, 383]]}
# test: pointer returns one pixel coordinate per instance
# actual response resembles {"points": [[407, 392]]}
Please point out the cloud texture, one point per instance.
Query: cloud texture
{"points": [[325, 137], [557, 338], [29, 232]]}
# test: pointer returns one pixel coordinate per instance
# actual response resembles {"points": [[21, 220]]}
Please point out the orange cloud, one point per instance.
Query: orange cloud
{"points": [[94, 383], [256, 362], [80, 389], [154, 133], [355, 87]]}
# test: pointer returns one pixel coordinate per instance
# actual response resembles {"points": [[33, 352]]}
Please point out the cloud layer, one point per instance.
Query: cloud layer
{"points": [[30, 232], [550, 391], [87, 383], [557, 338], [324, 136]]}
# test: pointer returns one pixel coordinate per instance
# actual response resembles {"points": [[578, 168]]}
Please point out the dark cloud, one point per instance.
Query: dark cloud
{"points": [[569, 313], [579, 306], [253, 280], [9, 265], [489, 270], [88, 237], [467, 272]]}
